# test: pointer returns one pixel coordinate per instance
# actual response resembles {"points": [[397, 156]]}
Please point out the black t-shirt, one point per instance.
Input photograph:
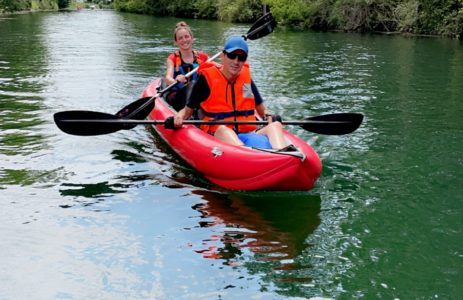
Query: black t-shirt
{"points": [[201, 92]]}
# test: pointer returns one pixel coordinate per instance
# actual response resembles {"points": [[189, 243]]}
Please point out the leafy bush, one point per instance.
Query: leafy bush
{"points": [[14, 5], [366, 15], [239, 10], [289, 12], [440, 17], [407, 15], [320, 15], [443, 17], [134, 6], [206, 9]]}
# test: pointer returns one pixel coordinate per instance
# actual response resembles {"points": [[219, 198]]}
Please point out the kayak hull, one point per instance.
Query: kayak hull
{"points": [[236, 167]]}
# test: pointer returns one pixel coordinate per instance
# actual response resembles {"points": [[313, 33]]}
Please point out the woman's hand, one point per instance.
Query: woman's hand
{"points": [[181, 78]]}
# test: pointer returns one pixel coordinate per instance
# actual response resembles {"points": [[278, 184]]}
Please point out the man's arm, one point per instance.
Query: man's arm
{"points": [[200, 92], [260, 107], [183, 114]]}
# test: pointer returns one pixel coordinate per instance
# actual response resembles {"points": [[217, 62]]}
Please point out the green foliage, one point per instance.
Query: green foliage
{"points": [[289, 12], [320, 15], [14, 5], [206, 9], [134, 6], [366, 15], [239, 10], [407, 15], [444, 17], [63, 3], [452, 24], [179, 8], [26, 5], [440, 17]]}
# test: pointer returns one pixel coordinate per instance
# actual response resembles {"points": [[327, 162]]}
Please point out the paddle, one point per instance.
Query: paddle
{"points": [[141, 108], [86, 123]]}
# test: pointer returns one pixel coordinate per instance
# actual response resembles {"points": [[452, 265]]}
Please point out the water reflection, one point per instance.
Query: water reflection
{"points": [[265, 232], [21, 69], [28, 177], [92, 190]]}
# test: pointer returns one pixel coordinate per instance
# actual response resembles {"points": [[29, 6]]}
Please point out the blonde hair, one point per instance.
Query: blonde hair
{"points": [[182, 25]]}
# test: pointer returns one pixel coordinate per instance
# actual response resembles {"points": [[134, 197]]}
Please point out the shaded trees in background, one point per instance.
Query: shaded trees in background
{"points": [[14, 5], [363, 16], [63, 3], [439, 17], [175, 8], [35, 5], [227, 10], [206, 9], [239, 10], [442, 17]]}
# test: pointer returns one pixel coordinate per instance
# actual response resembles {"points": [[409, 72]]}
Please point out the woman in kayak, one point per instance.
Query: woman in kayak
{"points": [[180, 62], [227, 92]]}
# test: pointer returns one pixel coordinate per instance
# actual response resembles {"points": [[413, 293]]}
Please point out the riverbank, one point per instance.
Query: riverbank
{"points": [[43, 6], [2, 14], [79, 6], [22, 12], [443, 18]]}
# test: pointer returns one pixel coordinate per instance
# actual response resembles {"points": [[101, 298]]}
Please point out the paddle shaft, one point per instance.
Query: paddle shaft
{"points": [[198, 122], [96, 123]]}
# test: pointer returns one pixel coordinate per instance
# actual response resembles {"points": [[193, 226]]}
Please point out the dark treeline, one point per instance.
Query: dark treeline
{"points": [[430, 17], [31, 5], [12, 6]]}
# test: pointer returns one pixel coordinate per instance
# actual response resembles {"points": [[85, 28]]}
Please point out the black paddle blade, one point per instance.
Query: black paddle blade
{"points": [[263, 26], [261, 21], [79, 122], [334, 124], [137, 110]]}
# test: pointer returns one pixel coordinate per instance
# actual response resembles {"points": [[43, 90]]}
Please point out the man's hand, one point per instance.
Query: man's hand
{"points": [[169, 123], [273, 118]]}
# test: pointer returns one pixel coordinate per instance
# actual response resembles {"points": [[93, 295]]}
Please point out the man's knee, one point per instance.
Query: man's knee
{"points": [[275, 126]]}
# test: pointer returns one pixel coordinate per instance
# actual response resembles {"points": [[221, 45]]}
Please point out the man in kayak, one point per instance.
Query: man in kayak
{"points": [[180, 63], [228, 93]]}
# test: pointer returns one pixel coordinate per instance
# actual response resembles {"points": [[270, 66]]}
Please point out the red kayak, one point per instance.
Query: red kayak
{"points": [[237, 167]]}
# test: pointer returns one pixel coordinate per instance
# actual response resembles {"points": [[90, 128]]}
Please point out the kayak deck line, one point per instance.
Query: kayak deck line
{"points": [[297, 153]]}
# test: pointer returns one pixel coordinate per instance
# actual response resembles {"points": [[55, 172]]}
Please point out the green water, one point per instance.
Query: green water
{"points": [[121, 217]]}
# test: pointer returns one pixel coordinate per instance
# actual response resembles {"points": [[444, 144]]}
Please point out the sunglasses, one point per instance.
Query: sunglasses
{"points": [[241, 56]]}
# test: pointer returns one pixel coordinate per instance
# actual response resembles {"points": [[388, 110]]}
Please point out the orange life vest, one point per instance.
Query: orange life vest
{"points": [[230, 101], [180, 65]]}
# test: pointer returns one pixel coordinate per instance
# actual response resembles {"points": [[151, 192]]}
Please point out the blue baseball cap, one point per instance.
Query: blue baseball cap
{"points": [[235, 43]]}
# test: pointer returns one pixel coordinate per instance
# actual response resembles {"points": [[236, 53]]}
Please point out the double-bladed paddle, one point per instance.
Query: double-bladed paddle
{"points": [[141, 108], [86, 123]]}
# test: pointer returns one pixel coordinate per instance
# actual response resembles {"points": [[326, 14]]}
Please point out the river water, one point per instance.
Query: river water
{"points": [[121, 217]]}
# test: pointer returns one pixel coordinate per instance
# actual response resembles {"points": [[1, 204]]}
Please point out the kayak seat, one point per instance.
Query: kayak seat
{"points": [[289, 148], [176, 99]]}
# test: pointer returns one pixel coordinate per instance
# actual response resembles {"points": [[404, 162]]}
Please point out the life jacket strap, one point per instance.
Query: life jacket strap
{"points": [[224, 115]]}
